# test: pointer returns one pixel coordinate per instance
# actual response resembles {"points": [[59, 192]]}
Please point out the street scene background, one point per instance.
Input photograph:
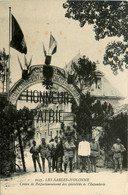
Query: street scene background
{"points": [[96, 98]]}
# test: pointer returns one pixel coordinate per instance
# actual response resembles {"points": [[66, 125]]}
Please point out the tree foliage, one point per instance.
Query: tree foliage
{"points": [[89, 113], [26, 125], [84, 73], [114, 128], [116, 56], [109, 19], [12, 121]]}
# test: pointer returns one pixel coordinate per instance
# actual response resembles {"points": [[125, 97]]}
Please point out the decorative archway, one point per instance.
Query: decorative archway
{"points": [[36, 76]]}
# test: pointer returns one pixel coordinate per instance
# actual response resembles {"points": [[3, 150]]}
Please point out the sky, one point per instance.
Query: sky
{"points": [[37, 20]]}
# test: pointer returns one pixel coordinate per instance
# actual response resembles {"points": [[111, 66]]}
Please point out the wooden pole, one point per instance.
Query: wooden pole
{"points": [[8, 73], [21, 149]]}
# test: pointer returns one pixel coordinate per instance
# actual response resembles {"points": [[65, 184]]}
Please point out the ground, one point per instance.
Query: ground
{"points": [[104, 182]]}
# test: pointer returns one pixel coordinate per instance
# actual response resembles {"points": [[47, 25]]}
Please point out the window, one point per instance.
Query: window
{"points": [[98, 83]]}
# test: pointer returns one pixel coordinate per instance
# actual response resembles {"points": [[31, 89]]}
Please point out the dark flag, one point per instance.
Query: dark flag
{"points": [[18, 41]]}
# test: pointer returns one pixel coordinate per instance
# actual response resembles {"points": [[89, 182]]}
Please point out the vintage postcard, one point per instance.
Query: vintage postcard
{"points": [[63, 97]]}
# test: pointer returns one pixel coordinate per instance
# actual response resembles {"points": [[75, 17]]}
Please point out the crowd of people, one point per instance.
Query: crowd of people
{"points": [[59, 153]]}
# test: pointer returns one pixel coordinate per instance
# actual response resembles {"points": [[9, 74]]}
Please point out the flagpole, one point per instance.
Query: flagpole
{"points": [[24, 61], [8, 79]]}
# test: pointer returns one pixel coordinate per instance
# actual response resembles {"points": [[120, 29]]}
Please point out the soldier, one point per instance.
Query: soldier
{"points": [[68, 153], [84, 153], [35, 155], [95, 152], [52, 145], [45, 152], [59, 155], [117, 150], [54, 163]]}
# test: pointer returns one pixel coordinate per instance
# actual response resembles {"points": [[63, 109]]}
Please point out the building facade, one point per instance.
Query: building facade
{"points": [[52, 119], [101, 89]]}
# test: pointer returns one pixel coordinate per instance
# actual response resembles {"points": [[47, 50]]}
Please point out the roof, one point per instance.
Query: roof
{"points": [[106, 90], [109, 89], [75, 59], [121, 109]]}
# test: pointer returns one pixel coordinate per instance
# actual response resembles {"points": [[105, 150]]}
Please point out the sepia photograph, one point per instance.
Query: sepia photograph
{"points": [[63, 97]]}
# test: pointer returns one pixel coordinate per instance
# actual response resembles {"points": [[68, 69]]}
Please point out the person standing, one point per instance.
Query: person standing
{"points": [[118, 150], [45, 153], [34, 150], [95, 152], [59, 155], [52, 146], [69, 147], [84, 153]]}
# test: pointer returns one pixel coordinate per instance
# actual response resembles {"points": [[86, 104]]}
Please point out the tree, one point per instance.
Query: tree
{"points": [[101, 112], [83, 114], [89, 113], [116, 55], [84, 73], [7, 117], [26, 124], [115, 127], [4, 69], [109, 19], [14, 125]]}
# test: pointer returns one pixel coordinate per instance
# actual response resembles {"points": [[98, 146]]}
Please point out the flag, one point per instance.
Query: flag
{"points": [[45, 53], [26, 62], [18, 41], [52, 45], [30, 62], [20, 63]]}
